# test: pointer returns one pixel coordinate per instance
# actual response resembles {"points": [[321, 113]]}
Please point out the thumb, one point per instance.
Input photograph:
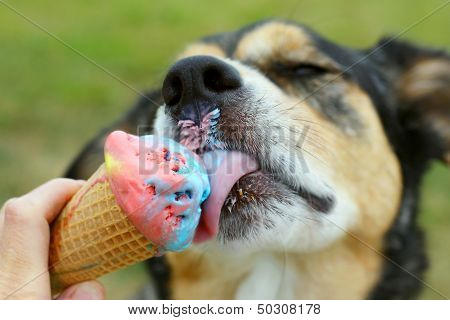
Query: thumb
{"points": [[88, 290]]}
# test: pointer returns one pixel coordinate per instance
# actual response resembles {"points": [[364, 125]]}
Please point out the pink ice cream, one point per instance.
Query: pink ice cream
{"points": [[159, 184]]}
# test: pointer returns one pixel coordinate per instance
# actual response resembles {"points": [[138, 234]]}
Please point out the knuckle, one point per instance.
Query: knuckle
{"points": [[60, 181], [14, 210], [12, 206], [61, 184]]}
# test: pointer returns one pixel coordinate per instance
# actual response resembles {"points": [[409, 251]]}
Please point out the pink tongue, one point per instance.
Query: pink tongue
{"points": [[224, 170]]}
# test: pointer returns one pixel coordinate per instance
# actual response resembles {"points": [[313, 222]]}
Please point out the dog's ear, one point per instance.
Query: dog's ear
{"points": [[420, 82], [139, 119]]}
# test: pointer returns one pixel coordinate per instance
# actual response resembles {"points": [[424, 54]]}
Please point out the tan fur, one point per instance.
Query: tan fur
{"points": [[363, 164], [424, 78], [346, 270], [427, 84], [202, 49], [279, 41], [199, 275]]}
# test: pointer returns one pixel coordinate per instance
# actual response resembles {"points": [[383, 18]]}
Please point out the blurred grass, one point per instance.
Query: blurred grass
{"points": [[52, 101]]}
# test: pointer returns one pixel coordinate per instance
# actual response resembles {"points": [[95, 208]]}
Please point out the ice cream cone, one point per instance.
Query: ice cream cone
{"points": [[144, 200], [93, 236]]}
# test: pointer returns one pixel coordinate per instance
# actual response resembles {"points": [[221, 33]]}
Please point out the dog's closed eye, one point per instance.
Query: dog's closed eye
{"points": [[300, 70]]}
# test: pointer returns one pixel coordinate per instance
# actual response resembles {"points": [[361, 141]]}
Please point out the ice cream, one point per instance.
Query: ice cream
{"points": [[159, 184], [144, 200]]}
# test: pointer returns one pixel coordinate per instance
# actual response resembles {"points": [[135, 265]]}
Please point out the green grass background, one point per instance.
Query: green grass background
{"points": [[52, 101]]}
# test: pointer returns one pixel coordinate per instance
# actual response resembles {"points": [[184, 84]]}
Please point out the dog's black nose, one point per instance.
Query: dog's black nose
{"points": [[199, 78]]}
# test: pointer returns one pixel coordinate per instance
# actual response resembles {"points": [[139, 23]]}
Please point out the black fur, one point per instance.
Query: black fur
{"points": [[160, 273]]}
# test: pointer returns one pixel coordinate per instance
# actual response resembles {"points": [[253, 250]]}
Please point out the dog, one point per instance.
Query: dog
{"points": [[341, 138]]}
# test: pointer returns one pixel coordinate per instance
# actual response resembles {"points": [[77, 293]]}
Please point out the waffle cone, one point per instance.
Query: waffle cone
{"points": [[93, 236]]}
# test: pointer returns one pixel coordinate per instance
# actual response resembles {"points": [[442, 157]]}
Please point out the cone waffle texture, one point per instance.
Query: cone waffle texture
{"points": [[93, 236]]}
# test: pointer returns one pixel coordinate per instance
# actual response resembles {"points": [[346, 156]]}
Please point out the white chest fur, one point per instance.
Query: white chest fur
{"points": [[270, 278]]}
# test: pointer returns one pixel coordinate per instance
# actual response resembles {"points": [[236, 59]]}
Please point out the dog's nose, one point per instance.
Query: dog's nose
{"points": [[199, 78]]}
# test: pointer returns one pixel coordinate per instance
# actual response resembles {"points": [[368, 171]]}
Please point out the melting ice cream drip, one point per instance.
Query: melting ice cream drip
{"points": [[199, 137]]}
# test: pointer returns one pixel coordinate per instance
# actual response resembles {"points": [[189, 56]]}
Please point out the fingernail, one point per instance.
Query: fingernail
{"points": [[88, 291]]}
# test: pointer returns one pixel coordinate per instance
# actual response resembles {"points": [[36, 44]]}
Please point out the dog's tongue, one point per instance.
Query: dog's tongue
{"points": [[224, 170]]}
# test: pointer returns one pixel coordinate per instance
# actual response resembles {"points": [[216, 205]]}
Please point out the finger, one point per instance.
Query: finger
{"points": [[88, 290], [24, 239], [46, 202], [50, 198], [25, 234]]}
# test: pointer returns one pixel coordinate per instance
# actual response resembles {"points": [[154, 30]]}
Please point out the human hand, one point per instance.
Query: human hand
{"points": [[24, 244]]}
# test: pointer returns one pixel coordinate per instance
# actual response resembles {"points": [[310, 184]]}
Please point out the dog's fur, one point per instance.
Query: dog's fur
{"points": [[343, 137]]}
